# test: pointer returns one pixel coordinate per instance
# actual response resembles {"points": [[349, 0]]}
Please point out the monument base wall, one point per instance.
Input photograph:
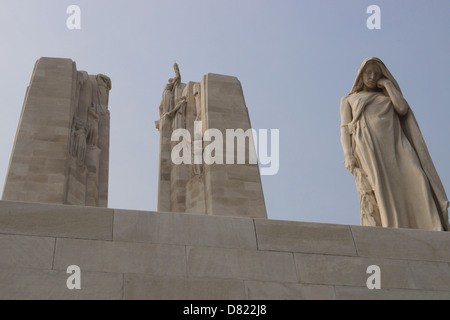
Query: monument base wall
{"points": [[153, 255]]}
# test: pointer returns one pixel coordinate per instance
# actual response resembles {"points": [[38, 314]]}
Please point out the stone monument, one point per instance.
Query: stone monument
{"points": [[59, 252], [215, 104], [61, 150], [385, 151]]}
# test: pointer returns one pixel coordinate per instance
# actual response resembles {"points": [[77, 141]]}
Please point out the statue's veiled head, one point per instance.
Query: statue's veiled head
{"points": [[370, 71]]}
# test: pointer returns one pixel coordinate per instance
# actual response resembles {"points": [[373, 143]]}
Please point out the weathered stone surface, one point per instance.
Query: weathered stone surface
{"points": [[165, 256], [304, 237], [51, 78], [184, 229], [257, 290], [352, 271], [195, 195], [359, 293], [26, 252], [218, 103], [55, 220], [120, 257], [402, 243], [428, 275], [240, 264], [51, 285], [138, 287], [48, 160]]}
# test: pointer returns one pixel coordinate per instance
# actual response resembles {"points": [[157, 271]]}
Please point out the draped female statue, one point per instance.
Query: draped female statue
{"points": [[385, 151], [171, 93]]}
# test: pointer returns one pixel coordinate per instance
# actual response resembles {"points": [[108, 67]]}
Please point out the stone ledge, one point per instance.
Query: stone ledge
{"points": [[402, 243], [126, 254], [55, 220], [304, 237], [184, 229]]}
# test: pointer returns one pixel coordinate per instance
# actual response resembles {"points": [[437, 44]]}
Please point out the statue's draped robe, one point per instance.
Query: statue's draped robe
{"points": [[167, 102], [402, 188], [398, 183]]}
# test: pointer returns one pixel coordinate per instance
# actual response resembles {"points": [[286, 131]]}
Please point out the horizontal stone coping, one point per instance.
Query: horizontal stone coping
{"points": [[127, 254], [191, 230]]}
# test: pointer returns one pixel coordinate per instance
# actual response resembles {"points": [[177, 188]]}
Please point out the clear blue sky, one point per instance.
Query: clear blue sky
{"points": [[295, 60]]}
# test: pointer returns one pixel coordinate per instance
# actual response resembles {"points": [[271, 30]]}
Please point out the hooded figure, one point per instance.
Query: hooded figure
{"points": [[385, 151]]}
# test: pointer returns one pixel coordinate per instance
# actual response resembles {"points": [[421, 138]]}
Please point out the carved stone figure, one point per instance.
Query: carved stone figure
{"points": [[198, 106], [179, 114], [85, 95], [384, 148], [79, 140], [197, 143], [103, 87], [177, 87], [167, 101], [168, 97], [92, 127]]}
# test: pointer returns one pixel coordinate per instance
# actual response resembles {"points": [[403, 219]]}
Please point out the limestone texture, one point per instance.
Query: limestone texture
{"points": [[61, 150], [134, 255]]}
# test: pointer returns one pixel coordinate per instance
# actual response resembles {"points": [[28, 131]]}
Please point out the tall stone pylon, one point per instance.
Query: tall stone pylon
{"points": [[61, 150], [189, 114]]}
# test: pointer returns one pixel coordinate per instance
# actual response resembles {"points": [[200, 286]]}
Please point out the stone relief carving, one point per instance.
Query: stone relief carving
{"points": [[104, 86], [198, 106], [92, 105], [79, 140], [167, 101], [92, 127], [179, 114], [177, 87], [90, 139], [385, 151], [197, 143], [85, 95], [170, 91]]}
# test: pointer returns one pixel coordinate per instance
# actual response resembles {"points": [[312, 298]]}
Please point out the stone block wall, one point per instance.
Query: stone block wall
{"points": [[154, 255]]}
